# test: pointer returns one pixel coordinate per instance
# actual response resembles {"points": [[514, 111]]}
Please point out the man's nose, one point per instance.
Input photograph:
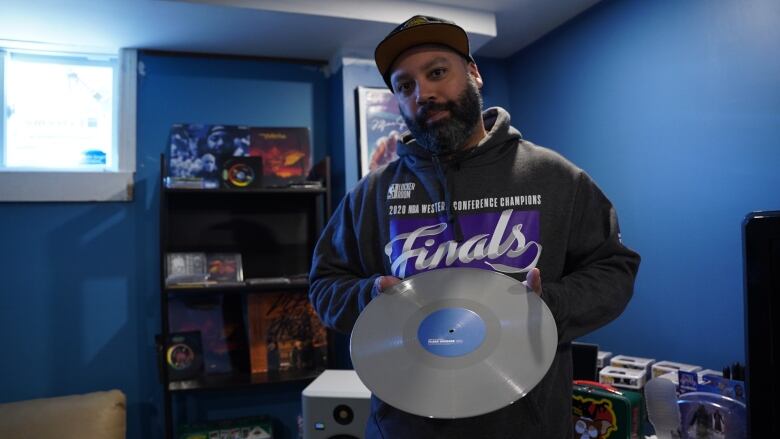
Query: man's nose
{"points": [[425, 92]]}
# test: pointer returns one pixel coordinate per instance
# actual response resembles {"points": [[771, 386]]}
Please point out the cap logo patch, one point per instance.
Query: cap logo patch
{"points": [[415, 21]]}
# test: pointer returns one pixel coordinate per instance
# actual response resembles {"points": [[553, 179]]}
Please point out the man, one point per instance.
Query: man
{"points": [[224, 142], [465, 179]]}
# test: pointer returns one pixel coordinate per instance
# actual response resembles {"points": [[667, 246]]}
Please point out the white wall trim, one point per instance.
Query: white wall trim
{"points": [[128, 87], [66, 186]]}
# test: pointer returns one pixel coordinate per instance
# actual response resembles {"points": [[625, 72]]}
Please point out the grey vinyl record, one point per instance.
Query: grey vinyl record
{"points": [[454, 343]]}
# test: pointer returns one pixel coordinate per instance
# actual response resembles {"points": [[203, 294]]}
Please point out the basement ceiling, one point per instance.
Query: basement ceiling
{"points": [[297, 29]]}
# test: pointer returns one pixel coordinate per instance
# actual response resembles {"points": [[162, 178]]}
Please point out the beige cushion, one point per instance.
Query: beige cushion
{"points": [[98, 415]]}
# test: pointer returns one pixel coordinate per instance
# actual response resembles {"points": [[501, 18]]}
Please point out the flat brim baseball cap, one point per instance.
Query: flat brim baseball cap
{"points": [[417, 31]]}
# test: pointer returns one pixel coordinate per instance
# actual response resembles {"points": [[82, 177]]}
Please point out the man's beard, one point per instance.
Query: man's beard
{"points": [[448, 134]]}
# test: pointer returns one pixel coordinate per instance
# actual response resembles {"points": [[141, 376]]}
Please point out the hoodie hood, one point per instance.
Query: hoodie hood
{"points": [[439, 183], [499, 133]]}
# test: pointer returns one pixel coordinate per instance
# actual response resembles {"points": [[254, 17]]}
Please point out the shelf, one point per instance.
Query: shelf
{"points": [[302, 284], [241, 381], [274, 229], [267, 190]]}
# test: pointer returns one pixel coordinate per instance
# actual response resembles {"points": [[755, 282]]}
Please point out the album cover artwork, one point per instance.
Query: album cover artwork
{"points": [[199, 151], [224, 267], [185, 268], [242, 173], [184, 355], [285, 333], [220, 321], [286, 154]]}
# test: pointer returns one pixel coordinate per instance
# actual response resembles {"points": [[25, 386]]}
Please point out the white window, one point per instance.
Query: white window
{"points": [[67, 129]]}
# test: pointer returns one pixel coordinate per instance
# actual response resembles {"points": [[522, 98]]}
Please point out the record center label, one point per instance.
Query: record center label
{"points": [[451, 332]]}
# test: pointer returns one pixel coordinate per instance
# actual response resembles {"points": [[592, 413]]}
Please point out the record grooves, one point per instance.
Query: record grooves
{"points": [[454, 343]]}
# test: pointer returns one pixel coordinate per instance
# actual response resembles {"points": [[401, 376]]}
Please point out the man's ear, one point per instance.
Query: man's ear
{"points": [[474, 72]]}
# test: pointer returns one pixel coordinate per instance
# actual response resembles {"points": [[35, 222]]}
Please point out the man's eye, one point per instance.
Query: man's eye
{"points": [[403, 86], [437, 73]]}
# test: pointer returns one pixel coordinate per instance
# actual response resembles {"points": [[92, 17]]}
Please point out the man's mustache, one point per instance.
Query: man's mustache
{"points": [[425, 109]]}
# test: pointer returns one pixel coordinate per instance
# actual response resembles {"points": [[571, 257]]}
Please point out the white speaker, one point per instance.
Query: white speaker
{"points": [[336, 405]]}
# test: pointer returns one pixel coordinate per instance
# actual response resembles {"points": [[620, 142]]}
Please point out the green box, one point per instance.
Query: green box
{"points": [[259, 427], [609, 412]]}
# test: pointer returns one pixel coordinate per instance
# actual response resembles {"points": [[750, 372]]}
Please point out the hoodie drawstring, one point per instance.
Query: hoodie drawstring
{"points": [[446, 186]]}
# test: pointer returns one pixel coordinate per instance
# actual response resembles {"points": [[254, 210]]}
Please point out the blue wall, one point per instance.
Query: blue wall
{"points": [[80, 303], [76, 307], [353, 73], [496, 87], [674, 108]]}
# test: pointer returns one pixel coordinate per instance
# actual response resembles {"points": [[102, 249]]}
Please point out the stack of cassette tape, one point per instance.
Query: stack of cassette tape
{"points": [[626, 372], [629, 372], [671, 368], [602, 359]]}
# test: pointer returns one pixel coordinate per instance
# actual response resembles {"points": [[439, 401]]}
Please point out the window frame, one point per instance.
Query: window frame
{"points": [[81, 185]]}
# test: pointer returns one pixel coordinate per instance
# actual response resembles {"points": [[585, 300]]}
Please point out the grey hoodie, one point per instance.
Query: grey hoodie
{"points": [[506, 205]]}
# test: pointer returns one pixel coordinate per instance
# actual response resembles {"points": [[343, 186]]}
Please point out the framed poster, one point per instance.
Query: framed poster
{"points": [[380, 126]]}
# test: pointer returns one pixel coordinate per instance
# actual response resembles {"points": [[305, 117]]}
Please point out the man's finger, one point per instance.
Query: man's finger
{"points": [[534, 280], [385, 282]]}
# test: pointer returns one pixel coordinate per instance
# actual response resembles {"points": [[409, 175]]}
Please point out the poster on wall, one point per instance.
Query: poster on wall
{"points": [[380, 126]]}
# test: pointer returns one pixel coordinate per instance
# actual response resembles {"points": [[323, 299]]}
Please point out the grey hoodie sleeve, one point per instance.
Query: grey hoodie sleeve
{"points": [[340, 285], [599, 275]]}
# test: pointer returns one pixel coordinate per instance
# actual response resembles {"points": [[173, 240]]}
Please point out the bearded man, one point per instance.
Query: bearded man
{"points": [[463, 178]]}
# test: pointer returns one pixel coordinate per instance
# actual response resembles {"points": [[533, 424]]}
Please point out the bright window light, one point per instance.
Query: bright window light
{"points": [[59, 113], [67, 122]]}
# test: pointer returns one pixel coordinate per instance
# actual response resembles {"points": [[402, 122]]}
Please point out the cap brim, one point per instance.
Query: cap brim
{"points": [[433, 33]]}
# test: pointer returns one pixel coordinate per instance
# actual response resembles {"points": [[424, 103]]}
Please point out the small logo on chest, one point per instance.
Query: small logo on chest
{"points": [[400, 191]]}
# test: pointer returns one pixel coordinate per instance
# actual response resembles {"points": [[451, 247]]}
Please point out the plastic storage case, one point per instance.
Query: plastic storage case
{"points": [[623, 377], [629, 362], [664, 367]]}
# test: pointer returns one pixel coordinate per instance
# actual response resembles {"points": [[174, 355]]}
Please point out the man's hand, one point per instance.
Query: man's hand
{"points": [[534, 281], [384, 282]]}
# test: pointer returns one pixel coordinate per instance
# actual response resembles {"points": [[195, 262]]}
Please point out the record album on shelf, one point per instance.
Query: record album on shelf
{"points": [[185, 268], [285, 333], [242, 173], [286, 154], [198, 151], [224, 267], [204, 156], [220, 321], [184, 355], [200, 269]]}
